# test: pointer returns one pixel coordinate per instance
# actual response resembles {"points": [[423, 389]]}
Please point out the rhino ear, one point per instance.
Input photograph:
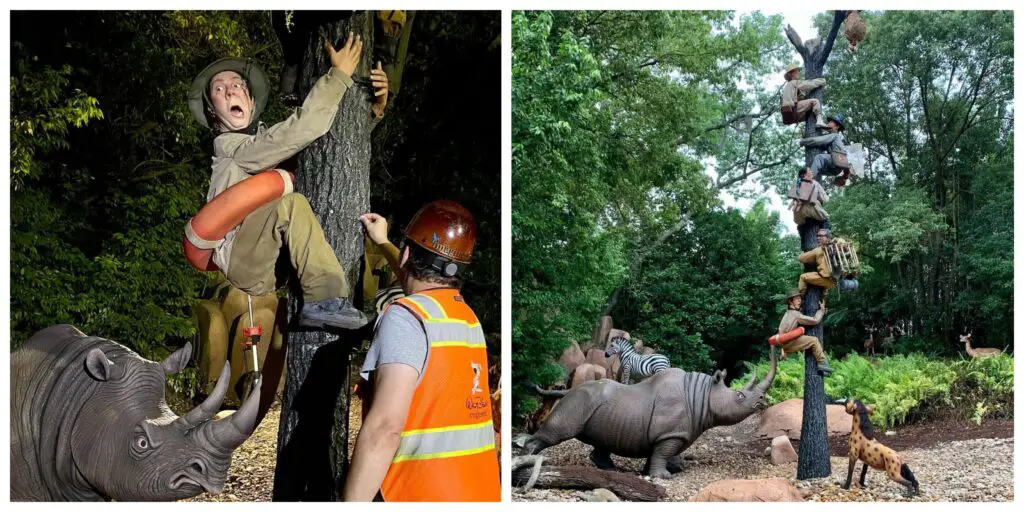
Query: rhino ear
{"points": [[178, 360], [98, 366], [718, 376]]}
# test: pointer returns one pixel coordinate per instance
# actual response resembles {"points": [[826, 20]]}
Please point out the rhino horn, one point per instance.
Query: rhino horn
{"points": [[753, 379], [770, 377], [229, 433], [211, 405]]}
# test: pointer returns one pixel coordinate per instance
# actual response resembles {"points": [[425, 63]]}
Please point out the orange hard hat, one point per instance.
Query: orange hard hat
{"points": [[445, 228]]}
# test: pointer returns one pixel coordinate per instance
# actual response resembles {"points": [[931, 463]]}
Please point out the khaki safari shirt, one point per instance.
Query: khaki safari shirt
{"points": [[237, 156], [791, 91], [794, 318], [817, 255]]}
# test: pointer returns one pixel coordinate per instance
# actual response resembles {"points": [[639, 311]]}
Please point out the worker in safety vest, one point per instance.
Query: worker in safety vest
{"points": [[228, 97], [794, 319], [427, 432]]}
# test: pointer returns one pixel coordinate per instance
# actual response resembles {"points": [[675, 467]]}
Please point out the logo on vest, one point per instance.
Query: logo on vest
{"points": [[476, 378], [477, 405]]}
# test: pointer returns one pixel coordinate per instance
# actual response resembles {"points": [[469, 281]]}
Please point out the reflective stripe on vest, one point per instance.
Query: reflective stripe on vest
{"points": [[438, 443], [447, 450]]}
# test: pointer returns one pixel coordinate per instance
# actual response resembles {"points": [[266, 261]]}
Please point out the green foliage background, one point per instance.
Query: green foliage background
{"points": [[903, 387], [630, 127], [107, 165]]}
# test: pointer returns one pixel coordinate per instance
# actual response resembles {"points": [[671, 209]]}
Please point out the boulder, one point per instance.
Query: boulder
{"points": [[571, 357], [768, 489], [786, 419], [599, 495], [782, 451]]}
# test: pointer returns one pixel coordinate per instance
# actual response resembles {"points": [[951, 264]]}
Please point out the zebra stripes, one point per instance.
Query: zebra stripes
{"points": [[634, 363], [386, 296]]}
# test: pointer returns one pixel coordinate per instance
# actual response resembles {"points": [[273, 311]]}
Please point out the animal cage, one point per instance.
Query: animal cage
{"points": [[842, 258]]}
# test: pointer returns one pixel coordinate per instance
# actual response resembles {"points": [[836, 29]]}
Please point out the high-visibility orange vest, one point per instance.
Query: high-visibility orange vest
{"points": [[447, 450]]}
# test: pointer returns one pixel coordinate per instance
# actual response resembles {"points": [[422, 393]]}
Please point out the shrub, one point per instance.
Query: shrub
{"points": [[903, 387]]}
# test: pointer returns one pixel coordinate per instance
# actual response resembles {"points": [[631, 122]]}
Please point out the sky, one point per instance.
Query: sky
{"points": [[801, 20]]}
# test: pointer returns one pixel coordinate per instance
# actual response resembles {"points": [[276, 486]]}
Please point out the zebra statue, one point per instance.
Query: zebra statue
{"points": [[634, 363]]}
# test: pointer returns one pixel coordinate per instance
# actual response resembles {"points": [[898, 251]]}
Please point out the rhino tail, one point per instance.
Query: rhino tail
{"points": [[557, 393]]}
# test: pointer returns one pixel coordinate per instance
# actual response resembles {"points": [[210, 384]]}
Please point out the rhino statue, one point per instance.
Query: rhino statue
{"points": [[657, 418], [89, 422]]}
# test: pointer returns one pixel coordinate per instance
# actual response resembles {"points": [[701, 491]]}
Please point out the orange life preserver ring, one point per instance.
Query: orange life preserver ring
{"points": [[779, 339], [207, 228]]}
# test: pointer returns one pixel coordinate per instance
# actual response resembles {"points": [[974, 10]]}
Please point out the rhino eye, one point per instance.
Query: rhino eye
{"points": [[141, 443]]}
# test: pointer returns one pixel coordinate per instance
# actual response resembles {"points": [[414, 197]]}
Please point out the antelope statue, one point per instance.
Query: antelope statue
{"points": [[978, 353], [869, 345]]}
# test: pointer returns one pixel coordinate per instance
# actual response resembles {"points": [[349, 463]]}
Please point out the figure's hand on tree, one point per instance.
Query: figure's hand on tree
{"points": [[821, 304], [376, 227], [380, 90], [347, 58]]}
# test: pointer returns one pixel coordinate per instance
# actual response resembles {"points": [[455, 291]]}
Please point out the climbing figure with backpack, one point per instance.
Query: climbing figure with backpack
{"points": [[792, 107], [228, 97], [808, 198], [835, 159]]}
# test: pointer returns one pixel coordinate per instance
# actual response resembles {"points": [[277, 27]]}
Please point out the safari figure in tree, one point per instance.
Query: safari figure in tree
{"points": [[835, 159], [823, 275], [228, 97], [864, 447], [793, 320], [795, 109], [808, 198]]}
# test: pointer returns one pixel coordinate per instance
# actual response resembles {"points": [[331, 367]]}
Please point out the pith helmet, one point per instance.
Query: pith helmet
{"points": [[198, 97], [790, 68], [792, 293], [839, 119], [445, 228]]}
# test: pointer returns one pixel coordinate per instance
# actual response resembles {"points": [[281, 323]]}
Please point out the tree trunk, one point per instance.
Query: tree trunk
{"points": [[334, 173], [814, 459]]}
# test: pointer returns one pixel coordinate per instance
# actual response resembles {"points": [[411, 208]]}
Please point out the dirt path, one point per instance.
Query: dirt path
{"points": [[251, 476], [953, 460]]}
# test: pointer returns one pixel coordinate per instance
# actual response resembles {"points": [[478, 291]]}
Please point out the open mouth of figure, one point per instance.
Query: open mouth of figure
{"points": [[237, 112]]}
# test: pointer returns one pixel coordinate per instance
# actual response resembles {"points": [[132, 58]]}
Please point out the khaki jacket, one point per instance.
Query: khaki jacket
{"points": [[237, 156], [794, 318], [791, 91], [817, 255]]}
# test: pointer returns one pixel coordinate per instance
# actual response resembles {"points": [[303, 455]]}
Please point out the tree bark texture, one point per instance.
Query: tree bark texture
{"points": [[334, 174], [625, 485], [814, 459]]}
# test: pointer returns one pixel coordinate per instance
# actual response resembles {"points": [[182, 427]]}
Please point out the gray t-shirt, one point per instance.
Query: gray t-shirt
{"points": [[399, 339]]}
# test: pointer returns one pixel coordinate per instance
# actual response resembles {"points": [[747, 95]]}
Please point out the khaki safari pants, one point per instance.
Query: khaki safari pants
{"points": [[804, 106], [803, 343], [289, 221], [814, 278]]}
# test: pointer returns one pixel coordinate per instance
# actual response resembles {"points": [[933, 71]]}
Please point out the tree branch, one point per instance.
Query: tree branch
{"points": [[797, 42], [721, 185], [837, 20]]}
